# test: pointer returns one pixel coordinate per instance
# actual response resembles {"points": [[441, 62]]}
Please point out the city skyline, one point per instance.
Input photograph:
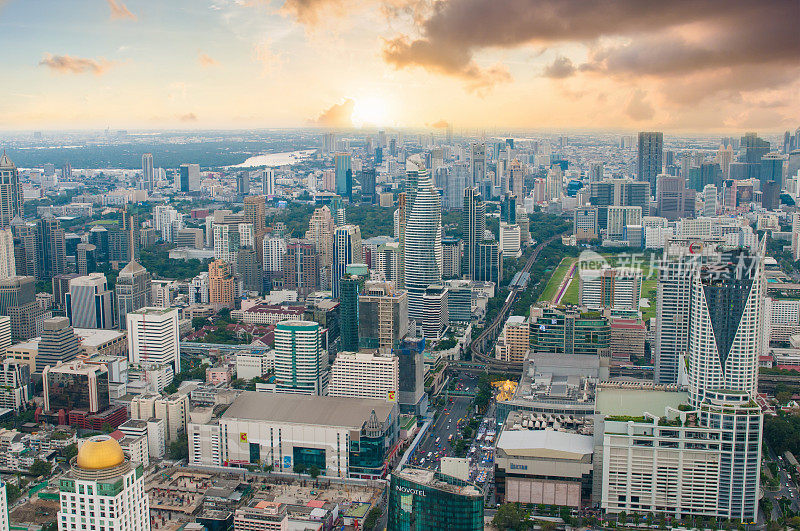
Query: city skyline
{"points": [[717, 66]]}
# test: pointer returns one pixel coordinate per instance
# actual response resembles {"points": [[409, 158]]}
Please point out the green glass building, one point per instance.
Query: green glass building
{"points": [[570, 331], [422, 500], [350, 286]]}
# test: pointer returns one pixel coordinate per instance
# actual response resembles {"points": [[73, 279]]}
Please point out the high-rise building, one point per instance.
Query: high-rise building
{"points": [[133, 290], [514, 343], [680, 257], [710, 200], [243, 183], [477, 163], [618, 192], [611, 287], [103, 490], [75, 385], [300, 362], [435, 317], [274, 252], [651, 158], [26, 247], [704, 459], [725, 326], [595, 174], [344, 175], [619, 218], [517, 178], [148, 175], [255, 209], [585, 225], [367, 178], [473, 225], [451, 257], [771, 168], [422, 242], [52, 256], [249, 270], [8, 263], [674, 200], [268, 182], [364, 375], [59, 344], [347, 249], [490, 262], [153, 337], [86, 258], [16, 291], [229, 237], [16, 388], [350, 286], [320, 232], [221, 285], [10, 192], [383, 316], [301, 268], [189, 178], [89, 302]]}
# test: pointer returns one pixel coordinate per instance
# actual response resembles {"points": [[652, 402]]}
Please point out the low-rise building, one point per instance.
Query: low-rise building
{"points": [[342, 437]]}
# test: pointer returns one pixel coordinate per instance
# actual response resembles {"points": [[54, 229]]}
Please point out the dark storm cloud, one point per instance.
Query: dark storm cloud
{"points": [[666, 38]]}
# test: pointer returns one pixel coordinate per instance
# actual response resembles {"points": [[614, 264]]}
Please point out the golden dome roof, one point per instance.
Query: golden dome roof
{"points": [[100, 452]]}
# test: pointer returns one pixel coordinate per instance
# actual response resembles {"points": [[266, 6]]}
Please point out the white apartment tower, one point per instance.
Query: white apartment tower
{"points": [[364, 375], [153, 337]]}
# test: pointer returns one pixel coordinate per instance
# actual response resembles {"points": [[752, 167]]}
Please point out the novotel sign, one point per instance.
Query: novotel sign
{"points": [[418, 492]]}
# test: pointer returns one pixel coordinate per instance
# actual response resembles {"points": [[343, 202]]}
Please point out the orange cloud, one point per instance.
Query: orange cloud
{"points": [[338, 115], [66, 64], [188, 117], [120, 11], [441, 124], [207, 61]]}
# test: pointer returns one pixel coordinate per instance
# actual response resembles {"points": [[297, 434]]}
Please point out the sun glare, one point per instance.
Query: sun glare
{"points": [[370, 111]]}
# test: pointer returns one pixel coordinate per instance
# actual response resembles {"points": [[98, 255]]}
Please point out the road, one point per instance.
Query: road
{"points": [[446, 423], [787, 489]]}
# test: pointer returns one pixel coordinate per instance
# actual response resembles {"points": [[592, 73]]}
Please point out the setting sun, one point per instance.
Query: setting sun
{"points": [[370, 111]]}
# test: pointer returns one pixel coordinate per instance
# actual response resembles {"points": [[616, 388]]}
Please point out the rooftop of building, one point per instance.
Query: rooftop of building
{"points": [[273, 308], [548, 444], [93, 337], [153, 310], [77, 367], [299, 409], [433, 479], [636, 398]]}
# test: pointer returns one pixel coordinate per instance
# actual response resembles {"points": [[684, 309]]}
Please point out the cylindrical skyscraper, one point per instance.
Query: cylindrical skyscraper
{"points": [[423, 240]]}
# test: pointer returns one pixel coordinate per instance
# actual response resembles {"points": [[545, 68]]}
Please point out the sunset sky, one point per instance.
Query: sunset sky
{"points": [[705, 65]]}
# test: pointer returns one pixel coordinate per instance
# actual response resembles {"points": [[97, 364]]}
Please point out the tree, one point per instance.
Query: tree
{"points": [[179, 449], [371, 519], [510, 516], [622, 517], [12, 493], [314, 471], [107, 428], [299, 468], [69, 452], [40, 468]]}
